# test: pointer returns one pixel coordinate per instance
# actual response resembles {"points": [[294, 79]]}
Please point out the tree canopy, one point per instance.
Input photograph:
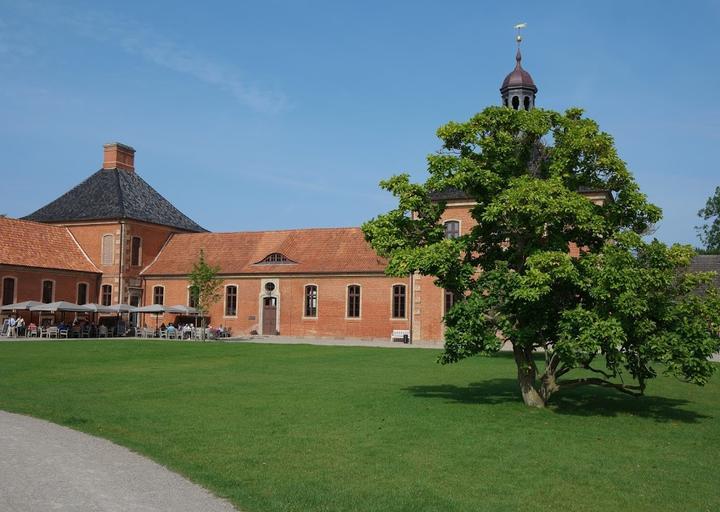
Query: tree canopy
{"points": [[619, 308], [204, 286], [709, 232]]}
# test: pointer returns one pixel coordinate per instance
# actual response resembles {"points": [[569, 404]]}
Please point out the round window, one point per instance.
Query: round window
{"points": [[269, 287]]}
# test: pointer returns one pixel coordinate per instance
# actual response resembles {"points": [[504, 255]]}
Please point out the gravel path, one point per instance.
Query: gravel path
{"points": [[46, 467]]}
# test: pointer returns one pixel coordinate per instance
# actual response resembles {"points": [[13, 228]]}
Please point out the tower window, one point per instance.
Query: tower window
{"points": [[452, 229], [106, 295], [135, 251], [108, 243], [516, 102], [505, 102], [526, 102]]}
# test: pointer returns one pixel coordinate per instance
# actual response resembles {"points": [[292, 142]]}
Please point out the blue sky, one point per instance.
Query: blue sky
{"points": [[272, 115]]}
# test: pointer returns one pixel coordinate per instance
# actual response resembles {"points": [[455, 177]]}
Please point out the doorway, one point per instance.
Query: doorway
{"points": [[269, 317]]}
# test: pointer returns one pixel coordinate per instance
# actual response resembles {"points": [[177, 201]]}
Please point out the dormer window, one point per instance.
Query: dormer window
{"points": [[275, 258]]}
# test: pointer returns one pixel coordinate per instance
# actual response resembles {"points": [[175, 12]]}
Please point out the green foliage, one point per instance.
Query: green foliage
{"points": [[204, 285], [624, 300], [709, 233]]}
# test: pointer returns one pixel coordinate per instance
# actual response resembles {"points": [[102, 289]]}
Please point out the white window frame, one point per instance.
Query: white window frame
{"points": [[317, 302], [392, 301], [15, 288], [225, 296], [112, 249], [163, 294], [54, 289]]}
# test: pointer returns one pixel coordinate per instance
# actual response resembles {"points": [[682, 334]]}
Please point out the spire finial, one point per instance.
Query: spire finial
{"points": [[518, 39]]}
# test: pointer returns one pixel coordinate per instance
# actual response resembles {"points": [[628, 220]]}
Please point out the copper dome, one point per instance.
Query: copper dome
{"points": [[518, 78]]}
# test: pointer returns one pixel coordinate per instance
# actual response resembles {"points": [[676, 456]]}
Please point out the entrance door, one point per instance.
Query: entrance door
{"points": [[269, 320], [135, 296]]}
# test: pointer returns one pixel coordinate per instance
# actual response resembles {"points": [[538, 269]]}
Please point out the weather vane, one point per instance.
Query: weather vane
{"points": [[518, 27]]}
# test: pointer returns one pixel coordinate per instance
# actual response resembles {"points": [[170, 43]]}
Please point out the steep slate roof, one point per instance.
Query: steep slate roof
{"points": [[31, 244], [323, 250], [707, 263], [114, 194]]}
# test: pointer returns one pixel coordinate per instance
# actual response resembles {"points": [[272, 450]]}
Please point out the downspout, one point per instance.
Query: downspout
{"points": [[412, 304], [122, 261]]}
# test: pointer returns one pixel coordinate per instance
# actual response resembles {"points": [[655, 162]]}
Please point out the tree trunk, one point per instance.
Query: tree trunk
{"points": [[526, 377]]}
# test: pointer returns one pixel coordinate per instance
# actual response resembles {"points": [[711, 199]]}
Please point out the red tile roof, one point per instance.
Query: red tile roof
{"points": [[328, 250], [31, 244]]}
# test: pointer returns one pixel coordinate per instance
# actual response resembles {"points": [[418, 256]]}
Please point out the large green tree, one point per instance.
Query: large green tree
{"points": [[709, 232], [204, 287], [620, 311]]}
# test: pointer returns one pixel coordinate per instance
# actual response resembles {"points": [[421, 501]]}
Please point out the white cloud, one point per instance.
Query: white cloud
{"points": [[134, 37]]}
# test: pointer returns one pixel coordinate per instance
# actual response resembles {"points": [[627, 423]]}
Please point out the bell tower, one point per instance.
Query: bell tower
{"points": [[518, 89]]}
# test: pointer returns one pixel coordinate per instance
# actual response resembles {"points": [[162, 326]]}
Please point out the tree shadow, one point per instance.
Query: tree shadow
{"points": [[588, 401]]}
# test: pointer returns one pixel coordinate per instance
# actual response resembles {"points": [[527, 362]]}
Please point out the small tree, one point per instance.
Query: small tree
{"points": [[618, 307], [204, 287], [709, 233]]}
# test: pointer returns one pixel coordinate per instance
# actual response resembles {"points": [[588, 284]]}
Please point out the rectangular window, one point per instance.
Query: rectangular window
{"points": [[8, 291], [108, 247], [135, 251], [106, 295], [449, 300], [231, 301], [192, 296], [353, 301], [398, 305], [311, 300], [47, 291], [82, 293], [158, 295]]}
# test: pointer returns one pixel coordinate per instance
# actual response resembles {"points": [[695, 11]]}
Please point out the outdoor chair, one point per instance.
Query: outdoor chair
{"points": [[31, 332], [163, 334], [102, 332], [63, 333], [51, 332]]}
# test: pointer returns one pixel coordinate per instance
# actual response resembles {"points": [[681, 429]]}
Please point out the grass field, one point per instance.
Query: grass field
{"points": [[310, 428]]}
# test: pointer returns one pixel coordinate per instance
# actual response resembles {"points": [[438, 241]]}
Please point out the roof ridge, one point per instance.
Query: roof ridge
{"points": [[81, 249], [121, 196], [291, 230]]}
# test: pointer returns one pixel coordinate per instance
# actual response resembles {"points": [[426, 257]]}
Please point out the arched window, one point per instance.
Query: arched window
{"points": [[106, 295], [82, 291], [516, 102], [452, 229], [526, 102], [108, 243], [398, 304], [311, 300], [231, 300], [158, 295], [48, 291], [8, 290], [353, 301], [136, 251]]}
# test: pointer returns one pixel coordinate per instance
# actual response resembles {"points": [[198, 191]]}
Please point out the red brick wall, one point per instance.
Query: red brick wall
{"points": [[28, 284], [375, 321]]}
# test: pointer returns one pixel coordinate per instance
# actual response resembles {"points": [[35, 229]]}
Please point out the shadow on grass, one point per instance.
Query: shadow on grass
{"points": [[588, 401]]}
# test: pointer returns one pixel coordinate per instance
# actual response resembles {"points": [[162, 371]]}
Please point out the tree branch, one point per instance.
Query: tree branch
{"points": [[592, 381], [595, 370]]}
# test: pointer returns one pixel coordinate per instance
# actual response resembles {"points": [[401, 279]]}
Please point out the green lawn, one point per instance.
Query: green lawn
{"points": [[310, 428]]}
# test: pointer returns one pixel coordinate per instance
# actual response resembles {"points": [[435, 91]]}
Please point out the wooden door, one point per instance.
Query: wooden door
{"points": [[269, 323]]}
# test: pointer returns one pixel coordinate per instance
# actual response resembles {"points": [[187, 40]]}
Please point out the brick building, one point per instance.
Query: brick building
{"points": [[114, 239]]}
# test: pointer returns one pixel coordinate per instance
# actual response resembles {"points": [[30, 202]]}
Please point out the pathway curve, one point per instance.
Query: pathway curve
{"points": [[46, 467]]}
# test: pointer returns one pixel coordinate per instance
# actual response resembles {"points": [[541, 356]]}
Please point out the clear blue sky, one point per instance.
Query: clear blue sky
{"points": [[270, 115]]}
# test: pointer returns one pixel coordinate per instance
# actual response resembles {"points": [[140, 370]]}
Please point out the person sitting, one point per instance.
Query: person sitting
{"points": [[171, 331]]}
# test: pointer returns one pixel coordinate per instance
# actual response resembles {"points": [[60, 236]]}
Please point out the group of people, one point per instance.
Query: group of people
{"points": [[185, 331], [14, 326]]}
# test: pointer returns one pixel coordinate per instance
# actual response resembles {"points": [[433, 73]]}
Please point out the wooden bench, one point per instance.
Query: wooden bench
{"points": [[400, 335]]}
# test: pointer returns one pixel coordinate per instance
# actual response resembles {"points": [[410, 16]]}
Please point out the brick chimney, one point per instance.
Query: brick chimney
{"points": [[119, 156]]}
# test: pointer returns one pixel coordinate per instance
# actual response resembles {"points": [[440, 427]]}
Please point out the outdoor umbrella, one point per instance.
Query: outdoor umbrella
{"points": [[179, 309], [20, 306], [121, 308], [61, 305], [155, 309], [98, 308]]}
